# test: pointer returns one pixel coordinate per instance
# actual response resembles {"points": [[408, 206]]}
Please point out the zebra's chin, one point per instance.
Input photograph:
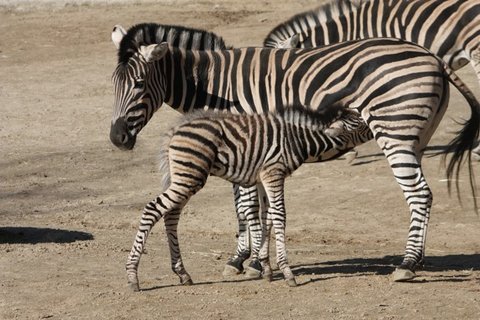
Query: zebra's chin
{"points": [[120, 136]]}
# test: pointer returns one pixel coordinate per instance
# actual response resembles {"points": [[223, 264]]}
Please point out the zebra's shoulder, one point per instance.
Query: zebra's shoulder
{"points": [[178, 36]]}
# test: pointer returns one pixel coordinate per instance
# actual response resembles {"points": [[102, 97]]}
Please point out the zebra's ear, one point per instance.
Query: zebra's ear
{"points": [[117, 35], [154, 52], [291, 42]]}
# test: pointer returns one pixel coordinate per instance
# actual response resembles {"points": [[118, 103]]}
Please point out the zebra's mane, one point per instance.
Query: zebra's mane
{"points": [[302, 22], [177, 36]]}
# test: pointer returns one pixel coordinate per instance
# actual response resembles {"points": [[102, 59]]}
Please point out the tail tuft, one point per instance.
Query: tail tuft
{"points": [[465, 140]]}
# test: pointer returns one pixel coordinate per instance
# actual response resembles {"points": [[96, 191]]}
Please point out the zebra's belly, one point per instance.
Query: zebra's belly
{"points": [[234, 175]]}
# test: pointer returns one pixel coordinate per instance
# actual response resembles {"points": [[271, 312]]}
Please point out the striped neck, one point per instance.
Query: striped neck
{"points": [[192, 79]]}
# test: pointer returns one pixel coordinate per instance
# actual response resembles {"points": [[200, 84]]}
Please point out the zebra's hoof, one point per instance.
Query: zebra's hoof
{"points": [[291, 282], [400, 275], [189, 282], [134, 287], [230, 271], [476, 156]]}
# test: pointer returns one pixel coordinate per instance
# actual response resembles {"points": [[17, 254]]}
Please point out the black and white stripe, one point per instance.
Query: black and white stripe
{"points": [[448, 28], [245, 150], [400, 89]]}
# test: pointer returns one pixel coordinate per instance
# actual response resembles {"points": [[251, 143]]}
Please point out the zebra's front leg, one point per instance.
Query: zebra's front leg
{"points": [[246, 206], [151, 214]]}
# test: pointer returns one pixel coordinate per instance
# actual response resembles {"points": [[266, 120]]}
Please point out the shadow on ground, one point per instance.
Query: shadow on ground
{"points": [[357, 267], [387, 264], [13, 235]]}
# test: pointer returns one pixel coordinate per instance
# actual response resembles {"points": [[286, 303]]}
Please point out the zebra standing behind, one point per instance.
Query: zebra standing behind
{"points": [[400, 89], [448, 28], [246, 150]]}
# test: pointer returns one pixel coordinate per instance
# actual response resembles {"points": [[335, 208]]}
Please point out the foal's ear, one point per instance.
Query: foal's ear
{"points": [[291, 42], [117, 35], [154, 52]]}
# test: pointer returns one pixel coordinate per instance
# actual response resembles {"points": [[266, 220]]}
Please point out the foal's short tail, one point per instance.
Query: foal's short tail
{"points": [[164, 162], [466, 137]]}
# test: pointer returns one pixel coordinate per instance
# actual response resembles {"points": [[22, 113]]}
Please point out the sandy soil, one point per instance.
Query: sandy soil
{"points": [[70, 201]]}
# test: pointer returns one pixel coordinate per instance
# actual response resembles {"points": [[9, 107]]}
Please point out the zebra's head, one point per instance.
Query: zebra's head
{"points": [[137, 92]]}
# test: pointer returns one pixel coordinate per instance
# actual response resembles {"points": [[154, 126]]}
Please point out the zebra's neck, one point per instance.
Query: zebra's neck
{"points": [[194, 81]]}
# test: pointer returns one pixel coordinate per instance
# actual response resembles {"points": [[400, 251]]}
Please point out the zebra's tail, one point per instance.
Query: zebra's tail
{"points": [[466, 137], [164, 163]]}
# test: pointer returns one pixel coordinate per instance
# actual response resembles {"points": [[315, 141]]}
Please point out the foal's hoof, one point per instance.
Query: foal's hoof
{"points": [[291, 282], [254, 270], [403, 275], [133, 287]]}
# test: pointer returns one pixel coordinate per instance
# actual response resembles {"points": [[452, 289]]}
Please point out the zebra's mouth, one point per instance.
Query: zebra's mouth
{"points": [[120, 136]]}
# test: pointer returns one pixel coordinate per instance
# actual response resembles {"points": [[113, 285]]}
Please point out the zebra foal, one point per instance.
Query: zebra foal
{"points": [[246, 150]]}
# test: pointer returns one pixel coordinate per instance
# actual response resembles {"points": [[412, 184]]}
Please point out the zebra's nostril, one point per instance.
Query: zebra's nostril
{"points": [[124, 138]]}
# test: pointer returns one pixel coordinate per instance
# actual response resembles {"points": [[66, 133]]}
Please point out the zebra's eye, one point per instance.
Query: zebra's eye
{"points": [[139, 84]]}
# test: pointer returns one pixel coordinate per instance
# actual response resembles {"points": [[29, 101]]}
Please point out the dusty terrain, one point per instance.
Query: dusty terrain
{"points": [[70, 201]]}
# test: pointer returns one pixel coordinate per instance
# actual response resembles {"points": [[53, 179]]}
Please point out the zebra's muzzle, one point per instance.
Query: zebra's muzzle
{"points": [[120, 136]]}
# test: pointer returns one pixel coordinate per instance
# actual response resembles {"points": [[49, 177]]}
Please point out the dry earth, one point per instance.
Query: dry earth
{"points": [[70, 202]]}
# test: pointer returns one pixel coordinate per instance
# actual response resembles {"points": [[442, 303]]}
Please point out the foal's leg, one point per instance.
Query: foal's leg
{"points": [[273, 182], [245, 202], [160, 207], [249, 240]]}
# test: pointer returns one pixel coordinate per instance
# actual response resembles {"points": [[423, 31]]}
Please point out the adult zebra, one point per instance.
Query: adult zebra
{"points": [[246, 200], [448, 28], [400, 89], [247, 150]]}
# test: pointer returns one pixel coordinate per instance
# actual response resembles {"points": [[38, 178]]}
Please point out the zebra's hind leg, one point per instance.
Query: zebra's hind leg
{"points": [[408, 173], [476, 152], [171, 224]]}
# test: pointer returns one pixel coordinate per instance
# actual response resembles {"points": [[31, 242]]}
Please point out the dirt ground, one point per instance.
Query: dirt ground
{"points": [[70, 201]]}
